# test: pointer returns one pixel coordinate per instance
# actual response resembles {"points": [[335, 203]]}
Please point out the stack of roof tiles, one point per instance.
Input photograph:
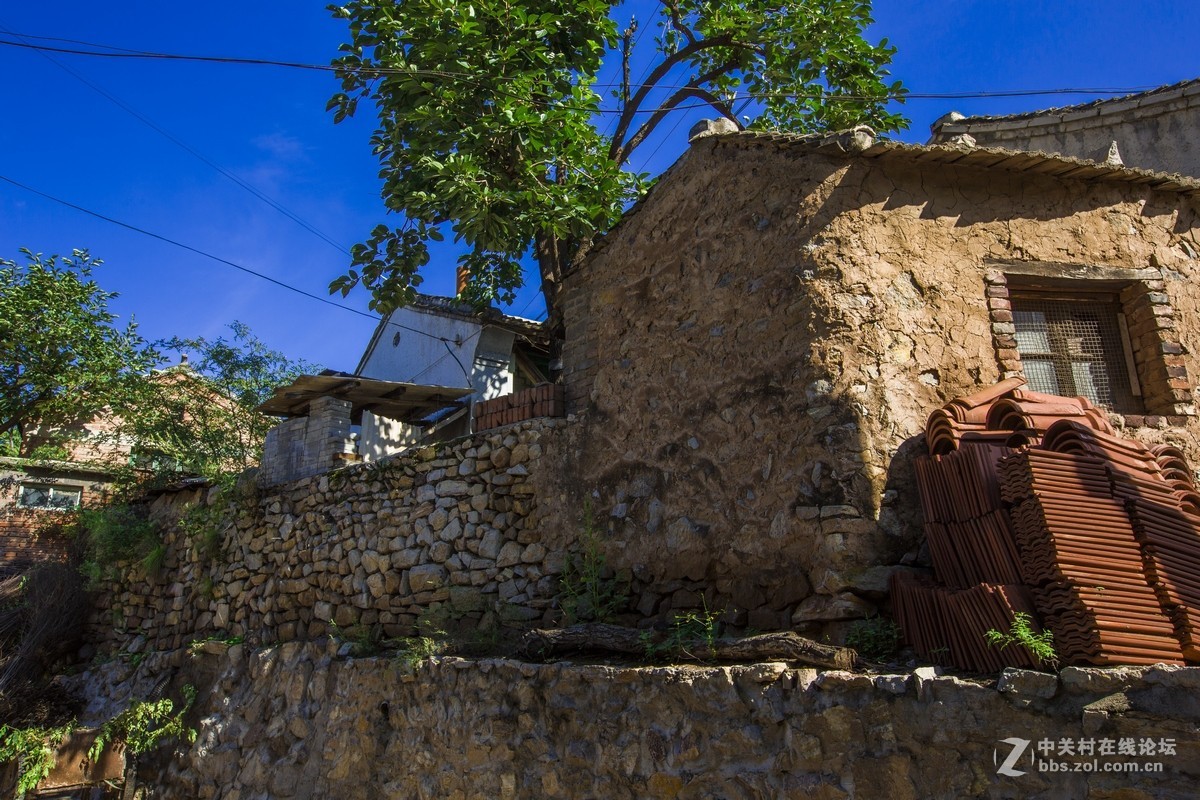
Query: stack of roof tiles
{"points": [[1032, 504]]}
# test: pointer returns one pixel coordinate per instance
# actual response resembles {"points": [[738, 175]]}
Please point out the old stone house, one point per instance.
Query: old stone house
{"points": [[1158, 129], [753, 351]]}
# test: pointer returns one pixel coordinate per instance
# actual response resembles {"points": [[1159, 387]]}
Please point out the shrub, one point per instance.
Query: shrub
{"points": [[875, 638]]}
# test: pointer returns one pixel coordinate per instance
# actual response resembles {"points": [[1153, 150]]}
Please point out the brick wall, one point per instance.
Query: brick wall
{"points": [[310, 445], [30, 536], [543, 400]]}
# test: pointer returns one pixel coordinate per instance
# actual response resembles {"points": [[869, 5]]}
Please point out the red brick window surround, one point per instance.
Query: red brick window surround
{"points": [[1129, 307]]}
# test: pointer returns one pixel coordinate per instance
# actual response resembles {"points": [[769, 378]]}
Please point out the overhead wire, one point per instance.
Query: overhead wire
{"points": [[906, 95], [219, 259], [186, 147]]}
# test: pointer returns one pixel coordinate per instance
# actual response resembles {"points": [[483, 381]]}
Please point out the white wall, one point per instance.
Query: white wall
{"points": [[410, 357]]}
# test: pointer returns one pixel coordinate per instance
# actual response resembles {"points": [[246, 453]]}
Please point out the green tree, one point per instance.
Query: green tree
{"points": [[199, 416], [62, 359], [486, 112]]}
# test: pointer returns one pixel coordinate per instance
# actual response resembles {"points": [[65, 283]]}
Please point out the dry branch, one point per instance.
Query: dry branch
{"points": [[600, 637]]}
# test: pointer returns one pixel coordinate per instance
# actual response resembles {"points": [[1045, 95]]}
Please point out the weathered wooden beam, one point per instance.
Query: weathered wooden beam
{"points": [[601, 637]]}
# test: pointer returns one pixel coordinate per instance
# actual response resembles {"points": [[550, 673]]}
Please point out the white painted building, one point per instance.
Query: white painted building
{"points": [[440, 341]]}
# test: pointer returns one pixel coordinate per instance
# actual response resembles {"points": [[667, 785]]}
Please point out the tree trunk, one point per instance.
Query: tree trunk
{"points": [[593, 637]]}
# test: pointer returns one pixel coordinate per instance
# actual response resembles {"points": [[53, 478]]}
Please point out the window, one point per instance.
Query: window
{"points": [[1106, 333], [62, 498], [1076, 347]]}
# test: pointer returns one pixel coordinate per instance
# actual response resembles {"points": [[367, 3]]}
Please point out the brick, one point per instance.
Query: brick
{"points": [[1002, 316]]}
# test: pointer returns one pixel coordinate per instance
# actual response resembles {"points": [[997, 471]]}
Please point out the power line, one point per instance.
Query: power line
{"points": [[443, 339], [965, 95], [188, 148], [218, 259]]}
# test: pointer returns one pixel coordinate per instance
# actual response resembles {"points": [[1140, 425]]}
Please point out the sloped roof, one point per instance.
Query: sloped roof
{"points": [[453, 307], [1108, 105], [408, 402], [861, 142]]}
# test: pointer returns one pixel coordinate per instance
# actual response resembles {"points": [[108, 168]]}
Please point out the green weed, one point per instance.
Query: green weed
{"points": [[875, 638], [33, 750], [586, 594], [1039, 645], [692, 633], [146, 723]]}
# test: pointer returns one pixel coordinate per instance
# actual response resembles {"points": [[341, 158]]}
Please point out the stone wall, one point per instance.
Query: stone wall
{"points": [[754, 350], [299, 721], [453, 533]]}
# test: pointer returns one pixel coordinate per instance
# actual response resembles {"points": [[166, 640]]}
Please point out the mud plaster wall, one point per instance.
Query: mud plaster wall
{"points": [[755, 349]]}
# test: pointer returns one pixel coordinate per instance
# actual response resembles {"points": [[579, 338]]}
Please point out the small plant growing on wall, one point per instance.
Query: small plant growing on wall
{"points": [[875, 638], [692, 633], [1040, 645], [119, 533], [586, 593]]}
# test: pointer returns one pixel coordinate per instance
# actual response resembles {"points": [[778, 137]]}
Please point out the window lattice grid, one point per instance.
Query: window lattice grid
{"points": [[1074, 348]]}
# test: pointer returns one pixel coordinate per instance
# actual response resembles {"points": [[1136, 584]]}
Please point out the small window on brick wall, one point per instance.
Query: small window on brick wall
{"points": [[59, 498], [1077, 347], [1112, 339]]}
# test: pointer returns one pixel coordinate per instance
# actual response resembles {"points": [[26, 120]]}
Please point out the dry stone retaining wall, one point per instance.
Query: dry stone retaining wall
{"points": [[452, 533], [298, 721]]}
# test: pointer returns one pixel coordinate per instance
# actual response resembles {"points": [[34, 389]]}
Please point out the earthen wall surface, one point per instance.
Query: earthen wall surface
{"points": [[753, 352]]}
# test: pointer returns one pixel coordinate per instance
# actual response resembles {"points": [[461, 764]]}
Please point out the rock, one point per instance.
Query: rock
{"points": [[452, 531], [533, 554], [1024, 685], [822, 608], [426, 577], [465, 599], [509, 555], [453, 489], [892, 684], [440, 552], [489, 545], [406, 558]]}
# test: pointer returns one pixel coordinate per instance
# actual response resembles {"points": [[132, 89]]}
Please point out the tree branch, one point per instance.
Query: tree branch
{"points": [[691, 90], [652, 80], [677, 23]]}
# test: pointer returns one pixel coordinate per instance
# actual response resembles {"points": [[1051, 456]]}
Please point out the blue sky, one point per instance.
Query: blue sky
{"points": [[268, 127]]}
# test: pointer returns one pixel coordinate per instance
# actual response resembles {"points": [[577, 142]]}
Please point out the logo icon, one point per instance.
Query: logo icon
{"points": [[1019, 746]]}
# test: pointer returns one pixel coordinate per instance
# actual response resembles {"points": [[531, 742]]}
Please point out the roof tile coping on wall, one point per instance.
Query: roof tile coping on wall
{"points": [[953, 123], [862, 142]]}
